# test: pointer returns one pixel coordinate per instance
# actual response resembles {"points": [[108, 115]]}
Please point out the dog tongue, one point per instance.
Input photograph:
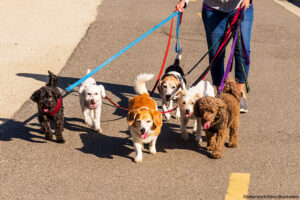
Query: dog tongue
{"points": [[206, 125], [46, 109], [144, 136], [188, 114]]}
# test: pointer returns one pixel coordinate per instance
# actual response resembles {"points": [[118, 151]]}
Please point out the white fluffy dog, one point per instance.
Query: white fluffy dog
{"points": [[186, 105], [90, 96]]}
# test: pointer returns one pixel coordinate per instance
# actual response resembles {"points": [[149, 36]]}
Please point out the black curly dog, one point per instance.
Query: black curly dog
{"points": [[50, 108]]}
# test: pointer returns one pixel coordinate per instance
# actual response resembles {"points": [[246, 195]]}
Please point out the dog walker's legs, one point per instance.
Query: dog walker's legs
{"points": [[139, 153], [164, 106], [183, 128], [97, 119], [87, 118], [198, 130], [152, 147], [221, 137]]}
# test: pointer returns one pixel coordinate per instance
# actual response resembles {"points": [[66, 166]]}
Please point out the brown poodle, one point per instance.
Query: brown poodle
{"points": [[218, 115]]}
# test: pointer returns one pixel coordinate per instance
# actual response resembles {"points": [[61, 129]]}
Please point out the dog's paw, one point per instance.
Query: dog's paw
{"points": [[99, 130], [152, 151], [138, 159], [185, 136], [49, 137], [61, 141], [232, 145], [210, 148], [216, 155]]}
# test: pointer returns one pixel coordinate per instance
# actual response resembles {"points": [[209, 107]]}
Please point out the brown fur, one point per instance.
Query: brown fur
{"points": [[225, 108], [137, 110], [169, 79]]}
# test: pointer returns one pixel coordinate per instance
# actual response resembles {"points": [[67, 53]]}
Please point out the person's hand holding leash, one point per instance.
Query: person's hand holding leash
{"points": [[180, 5], [245, 4]]}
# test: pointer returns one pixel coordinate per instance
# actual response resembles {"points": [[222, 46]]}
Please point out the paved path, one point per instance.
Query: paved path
{"points": [[99, 166], [37, 36]]}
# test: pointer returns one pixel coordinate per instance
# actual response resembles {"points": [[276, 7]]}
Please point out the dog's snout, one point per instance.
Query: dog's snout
{"points": [[168, 96], [143, 130], [187, 111], [92, 100]]}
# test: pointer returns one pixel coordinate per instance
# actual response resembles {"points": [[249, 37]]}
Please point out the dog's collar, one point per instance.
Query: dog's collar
{"points": [[215, 128], [58, 105], [91, 107]]}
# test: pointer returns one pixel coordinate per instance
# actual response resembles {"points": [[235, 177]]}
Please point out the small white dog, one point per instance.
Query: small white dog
{"points": [[90, 96], [186, 105]]}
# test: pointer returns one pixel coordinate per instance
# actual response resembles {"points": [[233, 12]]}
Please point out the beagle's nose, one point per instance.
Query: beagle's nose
{"points": [[142, 130], [168, 97]]}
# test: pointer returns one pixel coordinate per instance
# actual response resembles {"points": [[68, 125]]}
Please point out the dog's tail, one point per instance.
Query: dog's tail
{"points": [[140, 83], [52, 79], [178, 57]]}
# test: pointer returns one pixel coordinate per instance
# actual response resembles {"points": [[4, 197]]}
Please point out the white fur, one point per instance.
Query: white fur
{"points": [[91, 94], [140, 83], [186, 105]]}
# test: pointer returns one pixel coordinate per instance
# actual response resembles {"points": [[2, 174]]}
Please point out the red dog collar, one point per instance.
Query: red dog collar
{"points": [[56, 108]]}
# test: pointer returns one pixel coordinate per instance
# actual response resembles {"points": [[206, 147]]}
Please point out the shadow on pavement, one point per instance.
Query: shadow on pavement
{"points": [[170, 138], [118, 90], [15, 129]]}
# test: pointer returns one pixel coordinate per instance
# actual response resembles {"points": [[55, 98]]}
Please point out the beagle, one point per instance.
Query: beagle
{"points": [[143, 119], [170, 86]]}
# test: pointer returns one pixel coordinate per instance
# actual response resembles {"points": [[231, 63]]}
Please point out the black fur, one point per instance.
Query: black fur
{"points": [[175, 68], [47, 98]]}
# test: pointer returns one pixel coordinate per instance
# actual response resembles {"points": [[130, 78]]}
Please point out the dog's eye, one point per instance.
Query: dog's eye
{"points": [[173, 87], [183, 103], [149, 121], [89, 94], [96, 94], [138, 120], [193, 103], [165, 86]]}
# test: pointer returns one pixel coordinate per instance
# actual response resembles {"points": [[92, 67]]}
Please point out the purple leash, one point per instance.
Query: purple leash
{"points": [[231, 55]]}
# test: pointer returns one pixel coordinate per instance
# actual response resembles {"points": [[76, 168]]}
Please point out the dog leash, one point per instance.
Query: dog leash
{"points": [[68, 89], [222, 47], [167, 49]]}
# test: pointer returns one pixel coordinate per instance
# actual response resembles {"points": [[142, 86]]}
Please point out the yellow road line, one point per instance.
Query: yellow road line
{"points": [[200, 15], [238, 186]]}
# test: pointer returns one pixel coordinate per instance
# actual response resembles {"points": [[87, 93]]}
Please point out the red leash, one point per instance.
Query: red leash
{"points": [[164, 61], [161, 70]]}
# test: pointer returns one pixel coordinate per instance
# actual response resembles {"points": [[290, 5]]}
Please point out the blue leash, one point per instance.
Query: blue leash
{"points": [[177, 46], [68, 89]]}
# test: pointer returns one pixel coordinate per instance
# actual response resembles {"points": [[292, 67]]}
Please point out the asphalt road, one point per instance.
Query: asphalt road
{"points": [[100, 166]]}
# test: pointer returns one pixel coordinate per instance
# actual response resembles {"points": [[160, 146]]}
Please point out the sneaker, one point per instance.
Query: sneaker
{"points": [[243, 105]]}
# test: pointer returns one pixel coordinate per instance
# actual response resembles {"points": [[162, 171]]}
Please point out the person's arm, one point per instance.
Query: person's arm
{"points": [[246, 4], [182, 4]]}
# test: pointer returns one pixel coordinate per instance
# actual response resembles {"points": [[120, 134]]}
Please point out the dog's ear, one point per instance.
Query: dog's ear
{"points": [[157, 118], [35, 96], [181, 92], [131, 117], [231, 87], [52, 79], [197, 112], [82, 89], [221, 108], [197, 96], [102, 91], [159, 88]]}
